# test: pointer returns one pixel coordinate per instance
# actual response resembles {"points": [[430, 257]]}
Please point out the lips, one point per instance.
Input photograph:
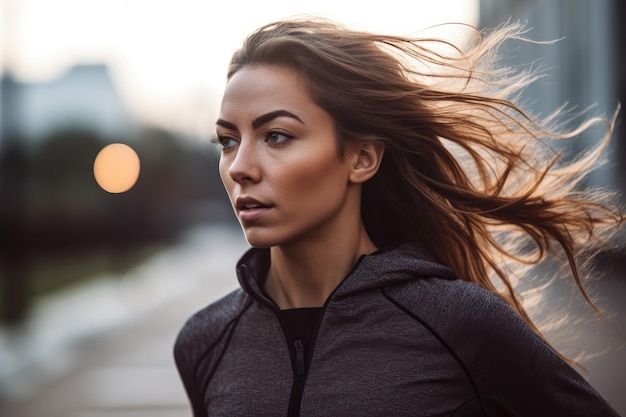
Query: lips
{"points": [[251, 209], [251, 206], [248, 203]]}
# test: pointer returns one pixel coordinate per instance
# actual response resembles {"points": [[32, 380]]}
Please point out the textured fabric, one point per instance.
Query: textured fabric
{"points": [[400, 336]]}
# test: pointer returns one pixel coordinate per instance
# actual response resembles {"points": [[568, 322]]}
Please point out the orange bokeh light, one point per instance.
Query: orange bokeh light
{"points": [[116, 168]]}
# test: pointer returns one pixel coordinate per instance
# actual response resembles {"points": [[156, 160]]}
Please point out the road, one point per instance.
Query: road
{"points": [[106, 350]]}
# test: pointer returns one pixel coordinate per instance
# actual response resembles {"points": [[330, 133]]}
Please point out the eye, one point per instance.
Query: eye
{"points": [[278, 137], [225, 142]]}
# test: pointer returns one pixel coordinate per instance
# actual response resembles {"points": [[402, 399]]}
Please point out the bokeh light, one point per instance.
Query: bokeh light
{"points": [[116, 168]]}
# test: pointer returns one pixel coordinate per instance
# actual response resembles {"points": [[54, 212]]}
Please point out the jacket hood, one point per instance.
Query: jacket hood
{"points": [[380, 269]]}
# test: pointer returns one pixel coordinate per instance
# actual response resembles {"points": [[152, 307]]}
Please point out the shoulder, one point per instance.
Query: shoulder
{"points": [[503, 357], [454, 308], [448, 295], [205, 328], [474, 324]]}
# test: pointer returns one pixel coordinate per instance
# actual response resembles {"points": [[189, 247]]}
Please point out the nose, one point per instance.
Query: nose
{"points": [[245, 166]]}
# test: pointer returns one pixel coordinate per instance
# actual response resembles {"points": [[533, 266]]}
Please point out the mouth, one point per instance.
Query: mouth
{"points": [[244, 204], [252, 206], [251, 209]]}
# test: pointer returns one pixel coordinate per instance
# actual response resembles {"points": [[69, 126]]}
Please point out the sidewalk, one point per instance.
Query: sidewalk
{"points": [[105, 349]]}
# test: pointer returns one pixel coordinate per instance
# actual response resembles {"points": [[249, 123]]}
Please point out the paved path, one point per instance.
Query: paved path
{"points": [[123, 366], [106, 350]]}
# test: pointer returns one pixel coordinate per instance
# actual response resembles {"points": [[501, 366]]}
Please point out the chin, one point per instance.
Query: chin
{"points": [[260, 239]]}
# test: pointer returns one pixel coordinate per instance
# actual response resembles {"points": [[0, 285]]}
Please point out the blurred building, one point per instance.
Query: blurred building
{"points": [[585, 67], [84, 97]]}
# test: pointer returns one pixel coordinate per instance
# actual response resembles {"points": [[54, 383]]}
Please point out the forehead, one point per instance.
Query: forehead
{"points": [[263, 88]]}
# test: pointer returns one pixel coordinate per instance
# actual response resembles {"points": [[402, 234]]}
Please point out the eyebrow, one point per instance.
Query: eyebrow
{"points": [[261, 120]]}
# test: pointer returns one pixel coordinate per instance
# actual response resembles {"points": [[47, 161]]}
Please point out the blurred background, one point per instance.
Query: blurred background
{"points": [[94, 285]]}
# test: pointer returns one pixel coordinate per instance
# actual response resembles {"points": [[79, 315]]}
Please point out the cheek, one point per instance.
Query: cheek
{"points": [[223, 170], [227, 181], [311, 177]]}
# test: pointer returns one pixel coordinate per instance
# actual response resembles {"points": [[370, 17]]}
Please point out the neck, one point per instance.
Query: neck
{"points": [[306, 273]]}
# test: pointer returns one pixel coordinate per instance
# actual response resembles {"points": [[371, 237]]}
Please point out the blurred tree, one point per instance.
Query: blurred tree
{"points": [[162, 186], [64, 160], [14, 250], [178, 180], [64, 199]]}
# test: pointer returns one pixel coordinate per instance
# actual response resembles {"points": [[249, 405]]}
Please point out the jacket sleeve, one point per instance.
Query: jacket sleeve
{"points": [[197, 342], [185, 363], [513, 371], [513, 366]]}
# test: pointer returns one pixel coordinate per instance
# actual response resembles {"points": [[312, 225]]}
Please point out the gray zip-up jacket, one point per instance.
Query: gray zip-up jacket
{"points": [[400, 336]]}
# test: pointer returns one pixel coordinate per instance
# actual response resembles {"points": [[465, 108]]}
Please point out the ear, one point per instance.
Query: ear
{"points": [[365, 160]]}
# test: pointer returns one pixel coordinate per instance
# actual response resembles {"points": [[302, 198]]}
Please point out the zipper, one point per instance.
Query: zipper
{"points": [[299, 357], [299, 377]]}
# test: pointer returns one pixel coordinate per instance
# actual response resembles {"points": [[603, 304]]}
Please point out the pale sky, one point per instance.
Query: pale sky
{"points": [[169, 57]]}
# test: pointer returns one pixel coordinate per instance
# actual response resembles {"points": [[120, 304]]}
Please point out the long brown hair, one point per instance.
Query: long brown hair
{"points": [[466, 170]]}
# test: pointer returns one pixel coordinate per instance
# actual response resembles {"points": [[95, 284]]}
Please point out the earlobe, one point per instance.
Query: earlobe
{"points": [[367, 158]]}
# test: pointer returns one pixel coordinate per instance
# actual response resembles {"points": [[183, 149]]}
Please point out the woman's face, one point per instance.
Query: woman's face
{"points": [[279, 161]]}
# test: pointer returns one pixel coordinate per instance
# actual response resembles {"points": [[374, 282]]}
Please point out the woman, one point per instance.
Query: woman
{"points": [[389, 191]]}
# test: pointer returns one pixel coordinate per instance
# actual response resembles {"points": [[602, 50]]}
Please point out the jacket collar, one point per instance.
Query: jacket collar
{"points": [[383, 268]]}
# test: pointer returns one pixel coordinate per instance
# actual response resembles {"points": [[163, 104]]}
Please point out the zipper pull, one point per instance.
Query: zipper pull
{"points": [[299, 357]]}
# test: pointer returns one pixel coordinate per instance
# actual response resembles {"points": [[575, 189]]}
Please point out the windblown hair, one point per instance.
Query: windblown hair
{"points": [[466, 170]]}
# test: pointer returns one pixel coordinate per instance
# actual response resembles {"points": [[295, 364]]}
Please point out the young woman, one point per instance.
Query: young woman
{"points": [[389, 190]]}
